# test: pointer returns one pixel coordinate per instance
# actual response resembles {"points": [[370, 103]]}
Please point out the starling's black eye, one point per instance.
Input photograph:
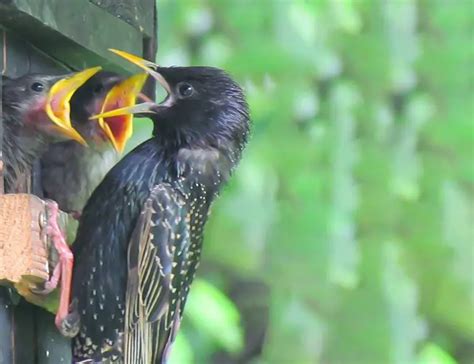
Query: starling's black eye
{"points": [[185, 89], [37, 87]]}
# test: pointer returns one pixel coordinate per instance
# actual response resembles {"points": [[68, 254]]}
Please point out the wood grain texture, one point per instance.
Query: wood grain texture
{"points": [[52, 36], [77, 33], [23, 251], [138, 13]]}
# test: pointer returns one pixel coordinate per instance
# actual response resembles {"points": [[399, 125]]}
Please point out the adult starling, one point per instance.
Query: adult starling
{"points": [[70, 171], [36, 113], [140, 234]]}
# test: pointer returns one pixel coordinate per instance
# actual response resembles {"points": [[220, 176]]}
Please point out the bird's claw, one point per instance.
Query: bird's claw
{"points": [[70, 324], [50, 285], [62, 273], [44, 291]]}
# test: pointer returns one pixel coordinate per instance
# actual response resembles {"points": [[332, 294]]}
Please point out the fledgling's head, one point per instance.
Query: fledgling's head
{"points": [[104, 91], [204, 107], [26, 96], [88, 99], [39, 103]]}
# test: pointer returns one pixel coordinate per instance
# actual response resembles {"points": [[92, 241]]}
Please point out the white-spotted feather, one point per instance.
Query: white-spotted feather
{"points": [[160, 237]]}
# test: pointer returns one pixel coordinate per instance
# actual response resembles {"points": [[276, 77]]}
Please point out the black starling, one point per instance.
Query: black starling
{"points": [[69, 171], [35, 113], [140, 234]]}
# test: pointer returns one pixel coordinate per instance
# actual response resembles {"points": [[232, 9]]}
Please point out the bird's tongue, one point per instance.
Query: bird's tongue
{"points": [[57, 104], [119, 128]]}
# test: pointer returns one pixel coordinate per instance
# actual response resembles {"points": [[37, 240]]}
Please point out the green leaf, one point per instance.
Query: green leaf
{"points": [[215, 315], [433, 354], [181, 351]]}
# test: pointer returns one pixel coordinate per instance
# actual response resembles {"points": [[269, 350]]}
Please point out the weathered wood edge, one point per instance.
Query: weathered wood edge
{"points": [[62, 29], [138, 13]]}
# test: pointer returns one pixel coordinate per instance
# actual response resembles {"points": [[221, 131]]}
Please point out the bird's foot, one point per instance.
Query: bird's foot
{"points": [[70, 324], [50, 285], [62, 273]]}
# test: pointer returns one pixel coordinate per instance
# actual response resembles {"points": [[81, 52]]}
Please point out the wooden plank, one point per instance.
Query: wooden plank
{"points": [[23, 251], [52, 348], [21, 340], [150, 46], [3, 51], [24, 333], [138, 13], [20, 57], [59, 36], [6, 319], [76, 33], [6, 309]]}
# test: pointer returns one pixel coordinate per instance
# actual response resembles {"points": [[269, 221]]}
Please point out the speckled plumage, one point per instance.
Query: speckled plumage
{"points": [[140, 235]]}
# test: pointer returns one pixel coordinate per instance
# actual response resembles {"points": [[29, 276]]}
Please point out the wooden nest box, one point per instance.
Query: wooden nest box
{"points": [[27, 256], [24, 248], [52, 36]]}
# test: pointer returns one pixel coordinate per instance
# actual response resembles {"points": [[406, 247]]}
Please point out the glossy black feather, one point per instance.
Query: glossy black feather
{"points": [[140, 236]]}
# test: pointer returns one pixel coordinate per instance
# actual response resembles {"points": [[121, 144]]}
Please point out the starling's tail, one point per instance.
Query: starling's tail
{"points": [[72, 322]]}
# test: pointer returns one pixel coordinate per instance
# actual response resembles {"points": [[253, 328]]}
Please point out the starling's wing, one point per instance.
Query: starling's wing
{"points": [[157, 268]]}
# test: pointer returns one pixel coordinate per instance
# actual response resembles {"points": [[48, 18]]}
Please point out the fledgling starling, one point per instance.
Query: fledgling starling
{"points": [[139, 239], [70, 172], [36, 112]]}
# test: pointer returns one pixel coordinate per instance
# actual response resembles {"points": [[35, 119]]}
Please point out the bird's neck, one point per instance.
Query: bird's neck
{"points": [[207, 167], [20, 150], [195, 160]]}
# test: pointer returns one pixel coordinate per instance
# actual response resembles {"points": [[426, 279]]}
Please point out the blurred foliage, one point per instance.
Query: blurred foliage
{"points": [[346, 235]]}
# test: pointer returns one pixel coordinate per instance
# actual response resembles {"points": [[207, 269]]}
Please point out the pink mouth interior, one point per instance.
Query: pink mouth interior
{"points": [[117, 125]]}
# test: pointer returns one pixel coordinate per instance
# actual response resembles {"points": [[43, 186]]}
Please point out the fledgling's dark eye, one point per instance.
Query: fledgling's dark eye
{"points": [[98, 89], [37, 87], [185, 89]]}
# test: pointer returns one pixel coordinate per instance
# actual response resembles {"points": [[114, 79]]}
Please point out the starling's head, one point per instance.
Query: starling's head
{"points": [[38, 103], [204, 107], [104, 91]]}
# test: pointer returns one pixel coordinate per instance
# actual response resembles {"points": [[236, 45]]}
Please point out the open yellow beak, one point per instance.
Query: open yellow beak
{"points": [[119, 128], [146, 107], [143, 108], [57, 104]]}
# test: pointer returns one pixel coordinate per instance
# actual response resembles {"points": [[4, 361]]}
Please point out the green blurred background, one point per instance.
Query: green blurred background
{"points": [[346, 235]]}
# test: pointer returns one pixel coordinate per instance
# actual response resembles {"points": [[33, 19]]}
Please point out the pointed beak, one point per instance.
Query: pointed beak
{"points": [[57, 104], [119, 127], [147, 66], [146, 107]]}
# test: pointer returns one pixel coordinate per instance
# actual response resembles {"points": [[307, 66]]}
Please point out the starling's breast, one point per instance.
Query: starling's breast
{"points": [[107, 223], [71, 172], [19, 153], [100, 249]]}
